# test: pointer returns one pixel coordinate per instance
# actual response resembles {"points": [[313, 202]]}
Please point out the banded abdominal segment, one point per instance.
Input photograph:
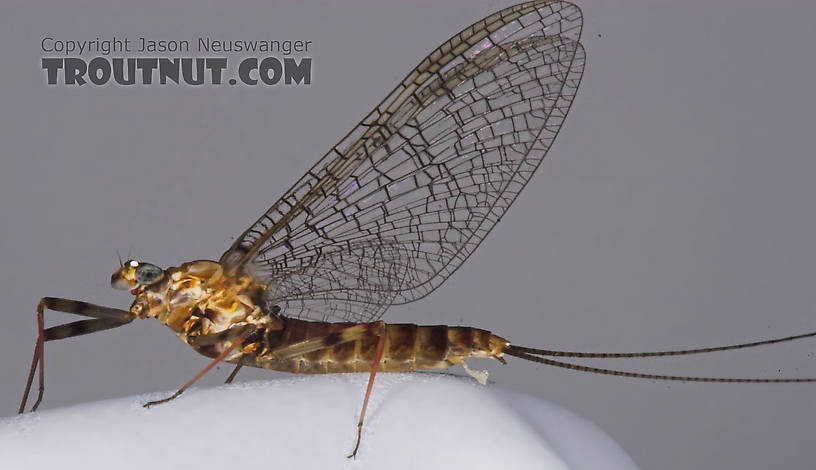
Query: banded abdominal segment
{"points": [[407, 347]]}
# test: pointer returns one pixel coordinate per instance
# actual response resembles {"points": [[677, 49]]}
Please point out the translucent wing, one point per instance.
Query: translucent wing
{"points": [[403, 200]]}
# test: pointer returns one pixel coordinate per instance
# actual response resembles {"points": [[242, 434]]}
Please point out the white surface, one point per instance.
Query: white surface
{"points": [[414, 421]]}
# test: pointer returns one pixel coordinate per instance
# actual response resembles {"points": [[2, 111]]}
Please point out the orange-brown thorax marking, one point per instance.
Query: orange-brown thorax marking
{"points": [[197, 299]]}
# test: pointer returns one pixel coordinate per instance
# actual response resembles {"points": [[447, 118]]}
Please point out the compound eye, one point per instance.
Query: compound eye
{"points": [[147, 274]]}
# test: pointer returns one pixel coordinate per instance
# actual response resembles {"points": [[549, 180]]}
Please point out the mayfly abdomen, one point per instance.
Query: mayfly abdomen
{"points": [[442, 346], [407, 347]]}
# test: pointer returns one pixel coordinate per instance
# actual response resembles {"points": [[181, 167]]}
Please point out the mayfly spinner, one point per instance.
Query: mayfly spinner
{"points": [[382, 219]]}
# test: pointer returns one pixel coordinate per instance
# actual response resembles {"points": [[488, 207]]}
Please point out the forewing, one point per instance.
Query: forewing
{"points": [[397, 206]]}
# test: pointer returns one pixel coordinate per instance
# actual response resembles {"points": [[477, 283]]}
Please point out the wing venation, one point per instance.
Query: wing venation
{"points": [[404, 199]]}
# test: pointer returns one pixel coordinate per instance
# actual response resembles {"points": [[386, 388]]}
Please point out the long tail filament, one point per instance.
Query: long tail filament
{"points": [[535, 355]]}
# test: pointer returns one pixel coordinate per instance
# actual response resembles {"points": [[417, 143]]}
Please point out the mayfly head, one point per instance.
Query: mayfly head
{"points": [[133, 274]]}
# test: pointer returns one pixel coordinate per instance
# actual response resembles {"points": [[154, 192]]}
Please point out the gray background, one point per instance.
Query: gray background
{"points": [[674, 210]]}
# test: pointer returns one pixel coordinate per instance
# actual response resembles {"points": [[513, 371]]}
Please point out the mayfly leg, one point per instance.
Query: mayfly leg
{"points": [[374, 366], [211, 340], [233, 373], [352, 333], [103, 318], [345, 335]]}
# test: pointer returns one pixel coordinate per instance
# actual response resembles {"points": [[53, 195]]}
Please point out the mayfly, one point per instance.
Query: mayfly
{"points": [[382, 219]]}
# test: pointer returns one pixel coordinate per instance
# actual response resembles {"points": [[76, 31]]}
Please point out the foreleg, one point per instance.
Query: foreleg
{"points": [[103, 318]]}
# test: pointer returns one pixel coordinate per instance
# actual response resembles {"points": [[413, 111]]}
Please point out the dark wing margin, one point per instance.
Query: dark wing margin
{"points": [[402, 201]]}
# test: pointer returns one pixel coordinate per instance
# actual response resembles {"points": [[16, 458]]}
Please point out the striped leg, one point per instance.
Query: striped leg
{"points": [[103, 318]]}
